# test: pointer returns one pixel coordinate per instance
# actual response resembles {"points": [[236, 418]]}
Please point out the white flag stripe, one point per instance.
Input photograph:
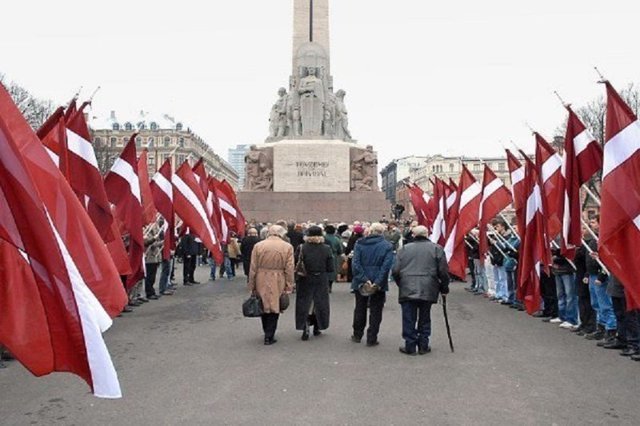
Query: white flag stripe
{"points": [[551, 166], [54, 156], [582, 141], [81, 147], [493, 186], [534, 203], [636, 222], [621, 147], [448, 246], [517, 176], [224, 205], [164, 184], [125, 170], [184, 189], [469, 194], [94, 320]]}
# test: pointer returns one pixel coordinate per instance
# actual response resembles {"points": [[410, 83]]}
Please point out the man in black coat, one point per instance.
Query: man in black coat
{"points": [[421, 273], [189, 249], [246, 248]]}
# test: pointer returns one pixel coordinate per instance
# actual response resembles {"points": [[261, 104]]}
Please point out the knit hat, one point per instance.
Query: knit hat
{"points": [[314, 231], [358, 229]]}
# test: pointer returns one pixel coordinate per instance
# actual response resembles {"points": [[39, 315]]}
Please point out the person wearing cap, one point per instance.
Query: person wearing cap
{"points": [[421, 273], [312, 290]]}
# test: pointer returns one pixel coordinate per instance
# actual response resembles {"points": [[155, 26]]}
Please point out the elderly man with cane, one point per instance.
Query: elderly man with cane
{"points": [[421, 273]]}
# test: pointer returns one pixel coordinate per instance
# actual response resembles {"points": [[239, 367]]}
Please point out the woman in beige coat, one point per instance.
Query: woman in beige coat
{"points": [[270, 275]]}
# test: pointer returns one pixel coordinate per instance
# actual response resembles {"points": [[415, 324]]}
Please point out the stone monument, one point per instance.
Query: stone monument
{"points": [[309, 154]]}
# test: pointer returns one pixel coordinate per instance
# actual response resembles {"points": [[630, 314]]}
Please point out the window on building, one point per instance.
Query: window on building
{"points": [[141, 126], [138, 141], [122, 141], [115, 126], [179, 126], [150, 142], [114, 141], [181, 158], [490, 165], [451, 167], [476, 167], [181, 142], [501, 167], [167, 141], [153, 125], [151, 160], [97, 142], [128, 126]]}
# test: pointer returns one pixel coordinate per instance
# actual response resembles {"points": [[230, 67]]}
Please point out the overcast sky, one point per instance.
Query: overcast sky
{"points": [[421, 77]]}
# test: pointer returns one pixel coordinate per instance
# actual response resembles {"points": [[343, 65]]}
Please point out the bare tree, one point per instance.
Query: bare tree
{"points": [[35, 110]]}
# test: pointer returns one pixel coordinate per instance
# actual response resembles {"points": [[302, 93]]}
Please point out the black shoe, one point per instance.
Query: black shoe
{"points": [[305, 333], [520, 308], [614, 344], [195, 282], [546, 318], [355, 339], [316, 331], [424, 351], [374, 343], [153, 297], [2, 365], [539, 314], [405, 351], [630, 352], [585, 331], [596, 335], [6, 356], [269, 341], [187, 283], [134, 303], [127, 309], [636, 357], [143, 299]]}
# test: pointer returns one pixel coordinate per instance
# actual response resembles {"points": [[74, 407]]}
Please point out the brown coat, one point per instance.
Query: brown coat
{"points": [[271, 272]]}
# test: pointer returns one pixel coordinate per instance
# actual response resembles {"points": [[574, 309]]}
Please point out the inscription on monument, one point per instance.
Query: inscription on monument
{"points": [[311, 166]]}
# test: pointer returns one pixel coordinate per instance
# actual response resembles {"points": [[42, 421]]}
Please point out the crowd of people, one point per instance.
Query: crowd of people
{"points": [[577, 295]]}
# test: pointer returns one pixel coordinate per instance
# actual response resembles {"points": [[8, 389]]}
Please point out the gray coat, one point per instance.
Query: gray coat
{"points": [[421, 271]]}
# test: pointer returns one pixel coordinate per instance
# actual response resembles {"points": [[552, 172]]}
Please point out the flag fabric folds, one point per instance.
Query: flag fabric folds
{"points": [[620, 209], [189, 204], [162, 193], [549, 165], [582, 159], [516, 173], [123, 189], [149, 211], [466, 218], [53, 310], [495, 198]]}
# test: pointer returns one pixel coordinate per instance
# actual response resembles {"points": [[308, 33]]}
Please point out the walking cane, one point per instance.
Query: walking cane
{"points": [[446, 321]]}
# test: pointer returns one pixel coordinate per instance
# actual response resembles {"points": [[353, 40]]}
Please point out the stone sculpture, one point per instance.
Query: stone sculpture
{"points": [[364, 168], [258, 170]]}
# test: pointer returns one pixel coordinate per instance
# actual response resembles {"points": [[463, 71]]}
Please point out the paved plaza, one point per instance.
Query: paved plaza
{"points": [[192, 359]]}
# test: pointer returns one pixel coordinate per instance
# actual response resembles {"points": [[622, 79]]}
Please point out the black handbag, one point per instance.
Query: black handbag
{"points": [[252, 307], [301, 270], [284, 302]]}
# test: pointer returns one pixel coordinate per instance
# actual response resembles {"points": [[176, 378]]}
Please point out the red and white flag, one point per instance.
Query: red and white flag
{"points": [[495, 198], [534, 249], [53, 135], [419, 205], [439, 231], [53, 310], [620, 210], [516, 173], [162, 193], [148, 208], [467, 206], [451, 206], [582, 159], [549, 164], [123, 188], [84, 175], [229, 206], [189, 204]]}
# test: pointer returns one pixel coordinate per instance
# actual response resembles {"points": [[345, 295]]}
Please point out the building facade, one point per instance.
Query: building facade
{"points": [[236, 159], [163, 136], [398, 170]]}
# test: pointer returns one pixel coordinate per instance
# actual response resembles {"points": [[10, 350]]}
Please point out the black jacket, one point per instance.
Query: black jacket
{"points": [[188, 246], [421, 271], [593, 267], [295, 238], [314, 288], [246, 247], [560, 264]]}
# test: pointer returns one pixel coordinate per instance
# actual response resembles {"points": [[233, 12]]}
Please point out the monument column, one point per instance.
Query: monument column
{"points": [[310, 21]]}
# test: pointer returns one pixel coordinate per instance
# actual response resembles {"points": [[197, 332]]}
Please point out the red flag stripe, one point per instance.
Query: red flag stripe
{"points": [[164, 185], [125, 170], [191, 197]]}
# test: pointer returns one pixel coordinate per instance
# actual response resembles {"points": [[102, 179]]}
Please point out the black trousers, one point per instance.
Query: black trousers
{"points": [[619, 308], [375, 303], [150, 278], [416, 324], [587, 314], [188, 268], [269, 325], [549, 295]]}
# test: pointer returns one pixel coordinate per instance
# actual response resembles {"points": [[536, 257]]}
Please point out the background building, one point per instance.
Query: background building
{"points": [[398, 170], [163, 136], [236, 159]]}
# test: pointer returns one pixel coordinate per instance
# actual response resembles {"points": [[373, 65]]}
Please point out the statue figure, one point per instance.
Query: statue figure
{"points": [[327, 123], [312, 98], [342, 120], [273, 122], [296, 121], [364, 170], [281, 108], [258, 170]]}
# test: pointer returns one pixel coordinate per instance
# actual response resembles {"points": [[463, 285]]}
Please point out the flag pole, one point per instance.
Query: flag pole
{"points": [[93, 94], [510, 226]]}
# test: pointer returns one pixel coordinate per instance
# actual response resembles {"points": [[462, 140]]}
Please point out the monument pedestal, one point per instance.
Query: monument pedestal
{"points": [[315, 206]]}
